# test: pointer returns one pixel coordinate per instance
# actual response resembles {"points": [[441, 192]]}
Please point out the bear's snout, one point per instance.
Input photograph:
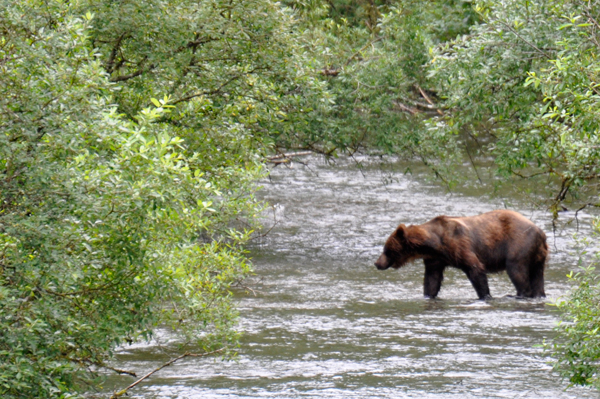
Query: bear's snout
{"points": [[382, 263]]}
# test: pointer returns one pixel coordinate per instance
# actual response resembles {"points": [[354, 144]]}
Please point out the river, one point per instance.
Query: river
{"points": [[322, 322]]}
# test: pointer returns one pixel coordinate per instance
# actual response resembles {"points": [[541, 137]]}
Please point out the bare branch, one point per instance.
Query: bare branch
{"points": [[130, 76], [403, 107], [116, 370], [564, 189], [170, 362]]}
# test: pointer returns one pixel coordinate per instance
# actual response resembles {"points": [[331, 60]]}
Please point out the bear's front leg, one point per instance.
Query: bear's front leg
{"points": [[434, 274]]}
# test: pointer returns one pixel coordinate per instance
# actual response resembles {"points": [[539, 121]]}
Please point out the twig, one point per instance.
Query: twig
{"points": [[433, 168], [211, 92], [248, 288], [582, 208], [545, 172], [361, 50], [473, 163], [525, 40], [426, 97], [130, 76], [417, 106], [280, 161], [239, 284], [475, 139], [275, 222], [358, 164], [170, 362]]}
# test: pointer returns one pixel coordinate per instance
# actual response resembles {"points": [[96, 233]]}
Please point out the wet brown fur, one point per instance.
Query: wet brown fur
{"points": [[488, 243]]}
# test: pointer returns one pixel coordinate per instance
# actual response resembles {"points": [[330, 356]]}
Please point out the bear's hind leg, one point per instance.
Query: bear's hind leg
{"points": [[434, 274], [519, 276], [536, 279]]}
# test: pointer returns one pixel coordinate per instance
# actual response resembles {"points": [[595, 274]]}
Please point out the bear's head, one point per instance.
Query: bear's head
{"points": [[401, 247]]}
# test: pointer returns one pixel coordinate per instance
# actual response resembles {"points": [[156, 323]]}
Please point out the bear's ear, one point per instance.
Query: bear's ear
{"points": [[400, 232]]}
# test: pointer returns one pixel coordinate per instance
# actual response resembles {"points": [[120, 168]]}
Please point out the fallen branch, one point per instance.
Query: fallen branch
{"points": [[403, 107], [283, 158], [170, 362], [118, 371], [426, 97]]}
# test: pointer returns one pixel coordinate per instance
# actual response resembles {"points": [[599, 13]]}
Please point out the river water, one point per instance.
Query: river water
{"points": [[324, 323]]}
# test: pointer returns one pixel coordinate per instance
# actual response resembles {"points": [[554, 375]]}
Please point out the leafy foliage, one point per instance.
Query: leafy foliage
{"points": [[514, 80], [376, 71], [577, 348], [236, 64], [133, 134], [128, 159], [524, 82]]}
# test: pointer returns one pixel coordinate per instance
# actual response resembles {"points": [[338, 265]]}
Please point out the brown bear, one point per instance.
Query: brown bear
{"points": [[477, 245]]}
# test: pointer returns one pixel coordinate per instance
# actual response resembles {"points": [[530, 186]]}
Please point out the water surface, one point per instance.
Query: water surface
{"points": [[324, 323]]}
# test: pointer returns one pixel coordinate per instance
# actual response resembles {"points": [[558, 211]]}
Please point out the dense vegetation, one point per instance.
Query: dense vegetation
{"points": [[129, 155], [133, 133]]}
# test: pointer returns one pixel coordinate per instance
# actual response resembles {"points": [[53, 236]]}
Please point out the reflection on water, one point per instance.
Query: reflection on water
{"points": [[326, 324]]}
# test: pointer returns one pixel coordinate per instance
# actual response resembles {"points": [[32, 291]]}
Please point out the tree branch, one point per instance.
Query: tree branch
{"points": [[170, 362], [131, 75], [403, 107], [582, 208], [510, 28], [204, 93], [426, 97], [284, 158], [113, 54]]}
